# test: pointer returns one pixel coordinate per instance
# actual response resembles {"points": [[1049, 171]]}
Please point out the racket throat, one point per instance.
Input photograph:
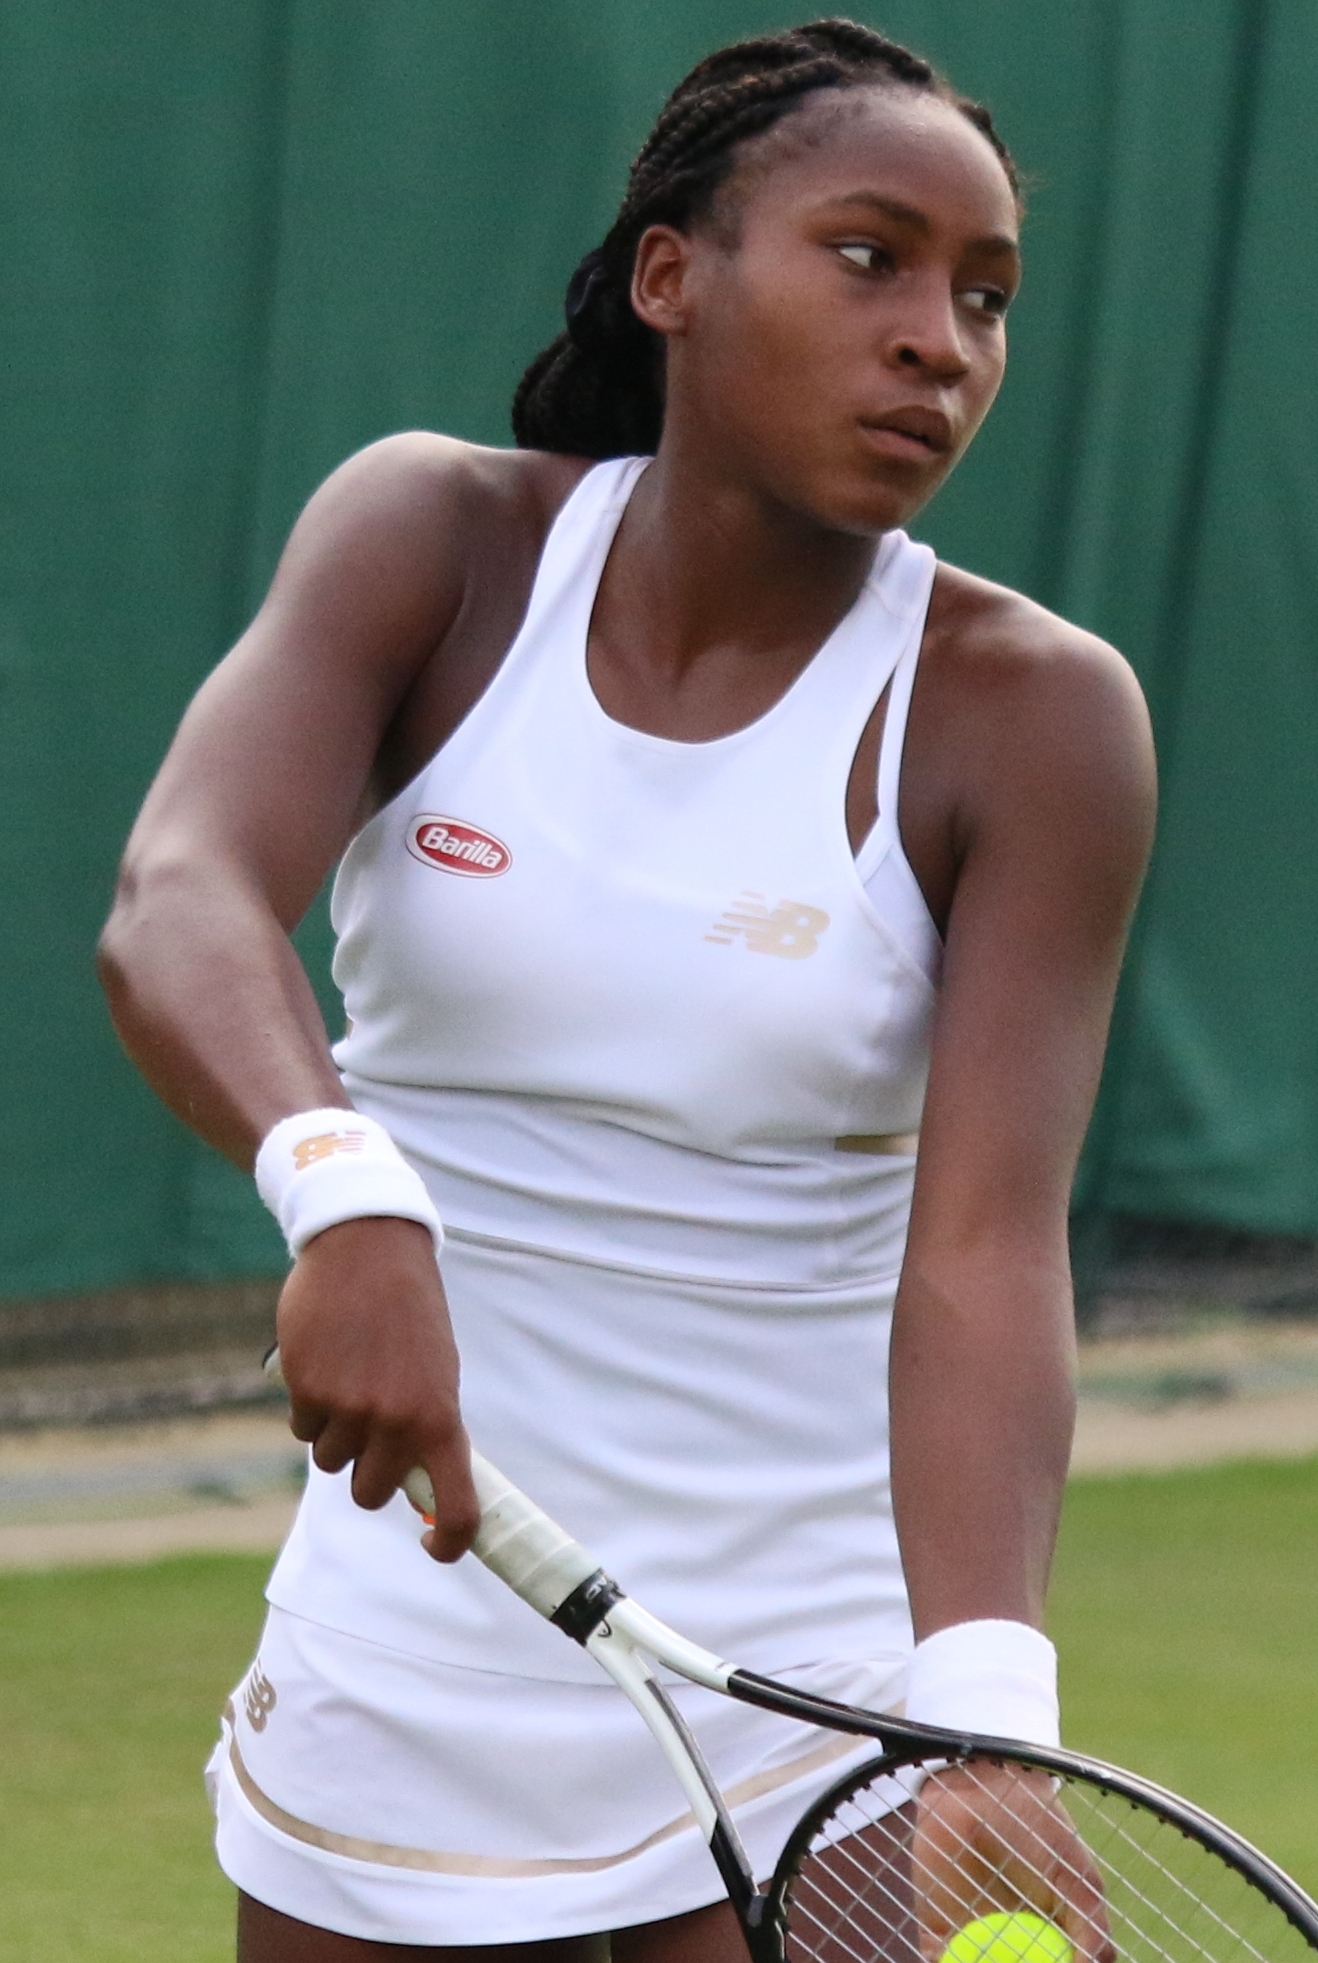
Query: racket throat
{"points": [[614, 1650], [725, 1843]]}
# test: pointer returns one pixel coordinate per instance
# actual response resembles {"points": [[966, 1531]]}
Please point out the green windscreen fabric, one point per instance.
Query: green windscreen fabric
{"points": [[240, 242]]}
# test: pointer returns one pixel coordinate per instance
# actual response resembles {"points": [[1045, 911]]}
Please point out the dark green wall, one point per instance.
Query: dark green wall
{"points": [[239, 241]]}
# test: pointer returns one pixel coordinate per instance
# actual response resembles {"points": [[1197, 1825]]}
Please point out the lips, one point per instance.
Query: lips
{"points": [[926, 430]]}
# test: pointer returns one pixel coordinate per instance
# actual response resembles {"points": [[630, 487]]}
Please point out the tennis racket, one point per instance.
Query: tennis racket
{"points": [[942, 1846]]}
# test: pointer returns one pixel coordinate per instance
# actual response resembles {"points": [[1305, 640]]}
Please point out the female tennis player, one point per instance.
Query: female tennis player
{"points": [[701, 841]]}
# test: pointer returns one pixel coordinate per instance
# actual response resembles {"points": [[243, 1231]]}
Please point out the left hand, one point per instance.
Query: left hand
{"points": [[993, 1838]]}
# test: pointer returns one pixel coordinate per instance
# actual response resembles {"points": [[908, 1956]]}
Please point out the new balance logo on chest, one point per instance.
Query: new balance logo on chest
{"points": [[791, 929]]}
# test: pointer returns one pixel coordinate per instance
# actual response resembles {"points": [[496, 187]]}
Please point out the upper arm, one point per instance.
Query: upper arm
{"points": [[1054, 829], [269, 766]]}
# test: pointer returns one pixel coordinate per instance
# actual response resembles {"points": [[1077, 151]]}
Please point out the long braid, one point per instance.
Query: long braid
{"points": [[598, 389]]}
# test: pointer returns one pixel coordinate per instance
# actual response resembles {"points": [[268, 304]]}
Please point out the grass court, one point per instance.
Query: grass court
{"points": [[1185, 1606]]}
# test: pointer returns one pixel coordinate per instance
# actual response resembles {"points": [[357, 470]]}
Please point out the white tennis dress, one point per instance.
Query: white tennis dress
{"points": [[657, 1042]]}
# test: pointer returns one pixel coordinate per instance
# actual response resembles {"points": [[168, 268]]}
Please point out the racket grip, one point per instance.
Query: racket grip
{"points": [[521, 1544], [516, 1540]]}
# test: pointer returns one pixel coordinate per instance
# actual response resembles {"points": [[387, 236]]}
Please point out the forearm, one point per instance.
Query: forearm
{"points": [[983, 1406], [215, 1009], [212, 1004]]}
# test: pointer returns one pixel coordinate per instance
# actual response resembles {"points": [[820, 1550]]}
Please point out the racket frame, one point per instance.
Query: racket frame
{"points": [[519, 1542], [555, 1575], [626, 1639]]}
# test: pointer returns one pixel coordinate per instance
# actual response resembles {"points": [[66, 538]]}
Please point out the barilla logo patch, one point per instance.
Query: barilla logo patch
{"points": [[455, 846]]}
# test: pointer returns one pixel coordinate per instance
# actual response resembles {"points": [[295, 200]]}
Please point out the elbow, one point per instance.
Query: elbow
{"points": [[119, 940], [156, 902], [109, 965]]}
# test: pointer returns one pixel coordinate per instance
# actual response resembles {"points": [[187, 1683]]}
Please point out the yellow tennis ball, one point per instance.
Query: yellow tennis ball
{"points": [[1017, 1938]]}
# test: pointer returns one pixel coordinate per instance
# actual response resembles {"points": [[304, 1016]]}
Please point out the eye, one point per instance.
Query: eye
{"points": [[991, 300], [867, 257]]}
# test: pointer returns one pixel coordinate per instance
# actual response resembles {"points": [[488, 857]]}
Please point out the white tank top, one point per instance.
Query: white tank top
{"points": [[636, 1012], [623, 994]]}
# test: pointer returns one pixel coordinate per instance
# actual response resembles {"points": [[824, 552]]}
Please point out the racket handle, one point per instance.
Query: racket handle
{"points": [[519, 1542], [516, 1539]]}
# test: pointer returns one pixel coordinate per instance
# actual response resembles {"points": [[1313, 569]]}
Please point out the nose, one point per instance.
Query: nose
{"points": [[928, 337]]}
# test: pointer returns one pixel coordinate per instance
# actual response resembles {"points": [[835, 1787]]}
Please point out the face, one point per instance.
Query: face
{"points": [[835, 335]]}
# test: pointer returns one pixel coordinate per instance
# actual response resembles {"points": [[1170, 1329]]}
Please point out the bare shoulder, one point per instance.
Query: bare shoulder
{"points": [[421, 469], [1034, 698], [991, 638], [423, 509]]}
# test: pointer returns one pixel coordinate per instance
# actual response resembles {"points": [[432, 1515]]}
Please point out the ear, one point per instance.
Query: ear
{"points": [[660, 279]]}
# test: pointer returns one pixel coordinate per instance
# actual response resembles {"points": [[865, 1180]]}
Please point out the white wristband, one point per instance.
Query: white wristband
{"points": [[999, 1678], [320, 1167]]}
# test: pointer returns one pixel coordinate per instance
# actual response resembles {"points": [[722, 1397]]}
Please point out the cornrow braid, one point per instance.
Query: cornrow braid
{"points": [[598, 389]]}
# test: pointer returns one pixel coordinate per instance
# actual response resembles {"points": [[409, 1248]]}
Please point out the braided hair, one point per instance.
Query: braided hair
{"points": [[598, 389]]}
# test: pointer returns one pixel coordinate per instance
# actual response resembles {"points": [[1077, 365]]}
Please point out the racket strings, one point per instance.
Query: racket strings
{"points": [[1128, 1846], [879, 1884], [856, 1903]]}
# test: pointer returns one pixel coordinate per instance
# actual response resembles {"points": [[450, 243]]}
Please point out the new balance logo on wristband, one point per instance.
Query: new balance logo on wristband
{"points": [[791, 929], [310, 1151], [321, 1167], [452, 845]]}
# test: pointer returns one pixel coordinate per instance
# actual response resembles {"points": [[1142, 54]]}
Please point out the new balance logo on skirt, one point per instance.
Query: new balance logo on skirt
{"points": [[259, 1698], [790, 929]]}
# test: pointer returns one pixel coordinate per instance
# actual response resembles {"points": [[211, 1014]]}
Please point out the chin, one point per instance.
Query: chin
{"points": [[840, 492], [865, 506], [851, 488]]}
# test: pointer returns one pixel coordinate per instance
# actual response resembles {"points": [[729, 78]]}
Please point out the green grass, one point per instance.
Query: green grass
{"points": [[1185, 1608], [111, 1681], [1185, 1605]]}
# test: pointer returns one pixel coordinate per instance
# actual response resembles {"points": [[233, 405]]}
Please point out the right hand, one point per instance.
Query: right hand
{"points": [[992, 1838], [367, 1352]]}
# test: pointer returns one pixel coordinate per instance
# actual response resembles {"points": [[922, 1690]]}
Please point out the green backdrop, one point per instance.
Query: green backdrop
{"points": [[237, 242]]}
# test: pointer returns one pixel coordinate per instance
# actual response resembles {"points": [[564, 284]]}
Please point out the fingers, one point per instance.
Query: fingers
{"points": [[336, 1441], [383, 1454], [1076, 1901], [306, 1421], [372, 1369], [458, 1511], [1082, 1916], [952, 1879], [1090, 1939], [995, 1838], [383, 1458]]}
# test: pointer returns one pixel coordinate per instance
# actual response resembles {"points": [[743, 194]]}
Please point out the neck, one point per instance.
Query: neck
{"points": [[707, 566]]}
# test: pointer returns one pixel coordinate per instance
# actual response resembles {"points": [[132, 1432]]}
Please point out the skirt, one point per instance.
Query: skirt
{"points": [[393, 1798]]}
